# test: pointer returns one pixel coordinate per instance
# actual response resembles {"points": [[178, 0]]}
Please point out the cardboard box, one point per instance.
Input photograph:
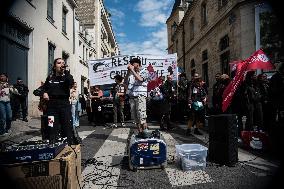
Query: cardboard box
{"points": [[64, 168], [42, 182]]}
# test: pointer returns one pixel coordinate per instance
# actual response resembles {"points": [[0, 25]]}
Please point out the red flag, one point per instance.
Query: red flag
{"points": [[233, 65], [234, 84], [259, 60]]}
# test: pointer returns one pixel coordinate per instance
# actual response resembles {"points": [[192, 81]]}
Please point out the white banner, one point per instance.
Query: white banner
{"points": [[102, 71]]}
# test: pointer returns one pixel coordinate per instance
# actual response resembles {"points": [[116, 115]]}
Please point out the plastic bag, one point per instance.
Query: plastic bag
{"points": [[197, 105]]}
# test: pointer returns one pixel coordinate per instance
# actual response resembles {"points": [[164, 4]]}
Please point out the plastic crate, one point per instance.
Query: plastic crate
{"points": [[191, 156]]}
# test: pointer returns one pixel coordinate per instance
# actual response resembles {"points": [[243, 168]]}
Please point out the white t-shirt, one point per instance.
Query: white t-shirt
{"points": [[136, 87]]}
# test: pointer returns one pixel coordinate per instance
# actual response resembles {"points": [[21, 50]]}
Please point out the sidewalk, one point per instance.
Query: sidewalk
{"points": [[20, 128], [244, 156]]}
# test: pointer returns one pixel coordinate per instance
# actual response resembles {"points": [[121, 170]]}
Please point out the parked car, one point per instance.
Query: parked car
{"points": [[107, 104]]}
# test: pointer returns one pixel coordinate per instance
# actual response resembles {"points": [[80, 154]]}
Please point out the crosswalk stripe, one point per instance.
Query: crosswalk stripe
{"points": [[84, 134], [176, 176], [102, 173]]}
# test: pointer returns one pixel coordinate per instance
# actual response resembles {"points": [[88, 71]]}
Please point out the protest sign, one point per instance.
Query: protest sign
{"points": [[102, 71]]}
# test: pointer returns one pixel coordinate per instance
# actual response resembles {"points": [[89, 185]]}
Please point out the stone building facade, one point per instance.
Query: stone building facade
{"points": [[212, 34], [85, 50], [34, 33], [95, 20]]}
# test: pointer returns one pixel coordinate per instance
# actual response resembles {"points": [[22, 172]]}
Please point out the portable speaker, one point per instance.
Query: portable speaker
{"points": [[223, 142]]}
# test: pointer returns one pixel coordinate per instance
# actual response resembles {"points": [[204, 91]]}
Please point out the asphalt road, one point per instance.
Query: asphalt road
{"points": [[105, 163]]}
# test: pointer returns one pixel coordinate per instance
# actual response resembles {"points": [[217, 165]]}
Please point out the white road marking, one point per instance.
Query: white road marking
{"points": [[101, 174], [84, 134]]}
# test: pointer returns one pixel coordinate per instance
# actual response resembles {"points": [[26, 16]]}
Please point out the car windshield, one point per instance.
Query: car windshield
{"points": [[106, 89]]}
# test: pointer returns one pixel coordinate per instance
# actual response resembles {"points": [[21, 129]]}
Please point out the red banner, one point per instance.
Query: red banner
{"points": [[258, 60], [233, 85]]}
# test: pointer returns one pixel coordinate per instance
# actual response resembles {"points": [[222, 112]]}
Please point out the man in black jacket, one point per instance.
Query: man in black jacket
{"points": [[20, 100]]}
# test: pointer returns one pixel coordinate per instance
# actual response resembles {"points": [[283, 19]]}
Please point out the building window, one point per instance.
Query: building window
{"points": [[173, 30], [83, 52], [192, 63], [64, 15], [50, 10], [177, 46], [51, 48], [191, 29], [193, 71], [174, 27], [203, 14], [192, 67], [224, 43], [205, 73], [225, 59], [65, 56], [222, 3], [204, 55], [83, 80]]}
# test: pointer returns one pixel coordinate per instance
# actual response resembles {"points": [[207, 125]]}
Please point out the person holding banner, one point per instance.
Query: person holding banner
{"points": [[137, 80]]}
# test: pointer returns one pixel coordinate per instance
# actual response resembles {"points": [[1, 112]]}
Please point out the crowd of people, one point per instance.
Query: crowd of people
{"points": [[258, 100], [13, 102], [257, 103]]}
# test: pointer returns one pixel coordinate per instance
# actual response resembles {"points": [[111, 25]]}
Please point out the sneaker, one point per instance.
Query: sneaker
{"points": [[197, 132], [114, 125], [25, 119], [123, 124]]}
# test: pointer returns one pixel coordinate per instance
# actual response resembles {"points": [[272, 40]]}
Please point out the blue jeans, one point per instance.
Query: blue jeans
{"points": [[75, 115], [5, 116]]}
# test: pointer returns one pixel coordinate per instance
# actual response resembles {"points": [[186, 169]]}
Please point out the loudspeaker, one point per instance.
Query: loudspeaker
{"points": [[223, 142]]}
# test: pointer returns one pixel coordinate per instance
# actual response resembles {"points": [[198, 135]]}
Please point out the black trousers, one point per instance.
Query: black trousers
{"points": [[97, 113], [60, 111], [18, 103]]}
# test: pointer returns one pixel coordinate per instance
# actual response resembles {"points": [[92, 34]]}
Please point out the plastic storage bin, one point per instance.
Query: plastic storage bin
{"points": [[191, 156]]}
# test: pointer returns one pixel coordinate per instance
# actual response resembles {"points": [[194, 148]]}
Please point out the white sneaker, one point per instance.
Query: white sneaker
{"points": [[123, 124], [114, 125]]}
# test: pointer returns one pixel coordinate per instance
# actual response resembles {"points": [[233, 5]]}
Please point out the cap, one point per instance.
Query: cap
{"points": [[19, 78]]}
